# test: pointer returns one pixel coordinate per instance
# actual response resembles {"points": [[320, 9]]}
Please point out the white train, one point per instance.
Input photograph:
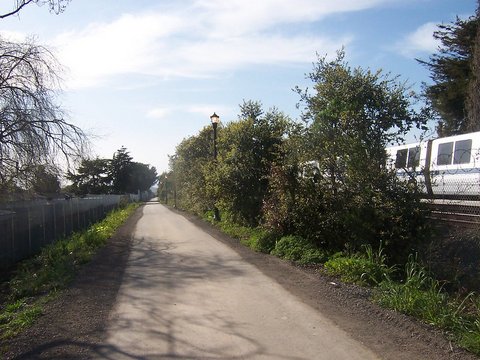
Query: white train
{"points": [[443, 167]]}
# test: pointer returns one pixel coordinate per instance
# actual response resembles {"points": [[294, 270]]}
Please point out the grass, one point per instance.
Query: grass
{"points": [[367, 268], [417, 294], [421, 296], [258, 239], [19, 315], [37, 280]]}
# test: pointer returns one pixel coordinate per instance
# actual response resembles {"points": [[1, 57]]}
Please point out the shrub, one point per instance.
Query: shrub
{"points": [[261, 240], [298, 249]]}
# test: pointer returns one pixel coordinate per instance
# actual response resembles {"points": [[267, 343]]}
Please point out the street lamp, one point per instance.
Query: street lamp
{"points": [[215, 120]]}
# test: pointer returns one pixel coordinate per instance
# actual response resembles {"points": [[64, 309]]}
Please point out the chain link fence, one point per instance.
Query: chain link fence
{"points": [[27, 226]]}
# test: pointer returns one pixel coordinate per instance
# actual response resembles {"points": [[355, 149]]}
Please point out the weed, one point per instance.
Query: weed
{"points": [[298, 249], [422, 296], [365, 269], [38, 279]]}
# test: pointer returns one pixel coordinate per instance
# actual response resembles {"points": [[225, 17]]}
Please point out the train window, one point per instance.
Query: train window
{"points": [[401, 159], [463, 148], [445, 151], [413, 157]]}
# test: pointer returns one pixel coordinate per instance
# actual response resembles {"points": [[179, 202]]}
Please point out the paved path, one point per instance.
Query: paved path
{"points": [[185, 295]]}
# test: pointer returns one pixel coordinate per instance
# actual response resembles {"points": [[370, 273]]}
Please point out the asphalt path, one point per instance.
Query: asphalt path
{"points": [[185, 295]]}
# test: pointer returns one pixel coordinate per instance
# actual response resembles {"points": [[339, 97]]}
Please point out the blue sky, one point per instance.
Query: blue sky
{"points": [[145, 74]]}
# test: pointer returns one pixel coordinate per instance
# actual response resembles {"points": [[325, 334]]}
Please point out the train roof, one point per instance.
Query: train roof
{"points": [[446, 138]]}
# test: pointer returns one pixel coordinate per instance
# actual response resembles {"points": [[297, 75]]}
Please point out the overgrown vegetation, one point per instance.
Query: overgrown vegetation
{"points": [[367, 268], [299, 250], [319, 190], [37, 280], [318, 179], [420, 295]]}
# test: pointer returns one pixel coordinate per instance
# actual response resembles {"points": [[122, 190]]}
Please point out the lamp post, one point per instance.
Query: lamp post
{"points": [[166, 190], [215, 120]]}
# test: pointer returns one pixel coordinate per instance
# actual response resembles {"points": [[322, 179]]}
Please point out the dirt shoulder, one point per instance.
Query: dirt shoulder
{"points": [[73, 325]]}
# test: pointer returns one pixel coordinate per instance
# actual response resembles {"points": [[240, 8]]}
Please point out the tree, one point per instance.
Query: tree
{"points": [[55, 6], [120, 170], [247, 150], [33, 128], [473, 91], [452, 70], [45, 180], [128, 176], [142, 177], [189, 167], [118, 175], [351, 116], [92, 177]]}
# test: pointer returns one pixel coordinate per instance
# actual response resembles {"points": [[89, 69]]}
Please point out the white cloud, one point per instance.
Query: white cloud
{"points": [[419, 41], [202, 110], [158, 113], [236, 17], [13, 36], [199, 39], [205, 110]]}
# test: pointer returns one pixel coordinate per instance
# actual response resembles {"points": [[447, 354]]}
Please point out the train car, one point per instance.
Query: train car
{"points": [[443, 167]]}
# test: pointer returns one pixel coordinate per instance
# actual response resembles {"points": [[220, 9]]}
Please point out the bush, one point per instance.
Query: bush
{"points": [[298, 249], [366, 208], [261, 240]]}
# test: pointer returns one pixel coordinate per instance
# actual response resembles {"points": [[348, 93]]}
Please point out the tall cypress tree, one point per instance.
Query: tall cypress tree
{"points": [[453, 72], [473, 95]]}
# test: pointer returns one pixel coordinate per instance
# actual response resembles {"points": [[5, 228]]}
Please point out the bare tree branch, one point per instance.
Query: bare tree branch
{"points": [[33, 127], [55, 6]]}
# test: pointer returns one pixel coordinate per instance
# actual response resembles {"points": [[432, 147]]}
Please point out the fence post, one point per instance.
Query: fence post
{"points": [[44, 226], [64, 221], [14, 259], [29, 231], [55, 221]]}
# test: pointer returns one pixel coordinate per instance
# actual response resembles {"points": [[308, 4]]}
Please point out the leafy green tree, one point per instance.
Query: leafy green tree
{"points": [[353, 199], [473, 94], [45, 180], [167, 187], [142, 177], [119, 171], [452, 71], [353, 115], [189, 166], [105, 176], [247, 150], [92, 177]]}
